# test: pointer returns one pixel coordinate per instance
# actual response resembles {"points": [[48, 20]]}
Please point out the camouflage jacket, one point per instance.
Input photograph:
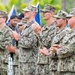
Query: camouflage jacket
{"points": [[28, 44], [46, 36], [5, 40], [58, 39], [53, 59], [66, 53]]}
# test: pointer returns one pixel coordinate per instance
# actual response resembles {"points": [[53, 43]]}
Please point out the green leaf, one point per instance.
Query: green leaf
{"points": [[2, 7]]}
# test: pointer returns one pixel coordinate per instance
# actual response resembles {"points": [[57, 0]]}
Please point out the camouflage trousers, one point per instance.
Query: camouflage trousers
{"points": [[66, 73], [42, 69], [3, 72], [3, 69], [27, 68], [15, 70], [53, 73], [15, 65]]}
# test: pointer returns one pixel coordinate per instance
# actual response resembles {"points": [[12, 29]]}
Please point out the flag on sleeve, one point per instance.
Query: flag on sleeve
{"points": [[12, 12], [37, 17]]}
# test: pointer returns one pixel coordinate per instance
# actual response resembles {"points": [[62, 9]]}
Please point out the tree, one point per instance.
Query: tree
{"points": [[63, 5], [19, 5], [70, 4], [2, 7]]}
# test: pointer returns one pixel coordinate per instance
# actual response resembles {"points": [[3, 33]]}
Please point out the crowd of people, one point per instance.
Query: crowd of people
{"points": [[36, 49]]}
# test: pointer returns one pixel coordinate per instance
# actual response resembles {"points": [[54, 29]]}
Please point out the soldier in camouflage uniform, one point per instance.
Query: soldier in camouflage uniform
{"points": [[45, 37], [28, 43], [66, 50], [61, 22], [5, 43]]}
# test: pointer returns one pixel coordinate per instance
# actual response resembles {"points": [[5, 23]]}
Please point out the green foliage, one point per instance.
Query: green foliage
{"points": [[19, 4], [34, 2], [70, 4], [0, 0], [2, 7], [42, 21]]}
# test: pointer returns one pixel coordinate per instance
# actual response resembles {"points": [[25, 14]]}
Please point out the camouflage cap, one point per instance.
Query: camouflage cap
{"points": [[61, 14], [3, 14], [48, 8], [31, 8], [72, 13]]}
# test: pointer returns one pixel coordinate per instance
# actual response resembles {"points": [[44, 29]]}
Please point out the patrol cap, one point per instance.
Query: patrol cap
{"points": [[3, 14], [72, 13], [31, 8], [48, 8], [61, 14], [21, 15]]}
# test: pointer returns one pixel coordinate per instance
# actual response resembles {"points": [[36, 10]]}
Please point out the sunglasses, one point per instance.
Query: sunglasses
{"points": [[58, 18], [45, 11], [69, 17]]}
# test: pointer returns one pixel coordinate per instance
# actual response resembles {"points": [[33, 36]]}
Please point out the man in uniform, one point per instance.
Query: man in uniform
{"points": [[61, 22], [28, 43], [5, 43], [20, 24], [20, 16], [66, 50], [13, 26], [45, 37]]}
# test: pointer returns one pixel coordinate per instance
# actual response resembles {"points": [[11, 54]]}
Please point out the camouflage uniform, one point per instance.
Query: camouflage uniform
{"points": [[5, 40], [48, 32], [66, 55], [57, 40], [28, 49], [66, 52], [46, 37]]}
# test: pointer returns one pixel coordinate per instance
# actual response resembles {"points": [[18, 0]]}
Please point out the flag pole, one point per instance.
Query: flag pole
{"points": [[10, 57], [10, 13]]}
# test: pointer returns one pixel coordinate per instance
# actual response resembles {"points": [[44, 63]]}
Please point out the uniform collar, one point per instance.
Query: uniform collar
{"points": [[30, 23]]}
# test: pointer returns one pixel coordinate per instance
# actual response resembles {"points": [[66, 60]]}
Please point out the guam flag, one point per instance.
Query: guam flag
{"points": [[37, 17], [12, 12]]}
